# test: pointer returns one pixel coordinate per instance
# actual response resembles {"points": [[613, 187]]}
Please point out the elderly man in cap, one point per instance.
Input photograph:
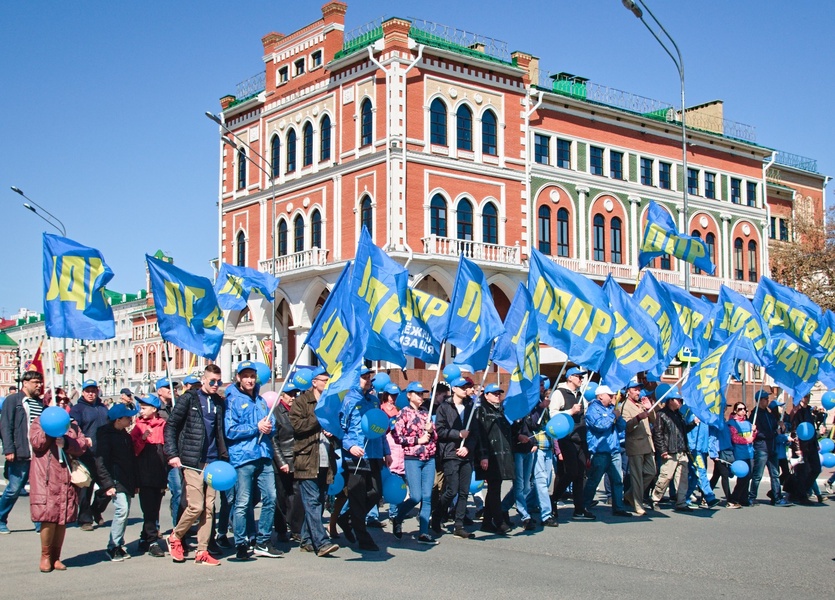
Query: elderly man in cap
{"points": [[640, 451], [670, 438], [765, 451], [126, 395], [567, 399], [524, 455], [175, 476], [603, 422], [248, 426], [90, 413]]}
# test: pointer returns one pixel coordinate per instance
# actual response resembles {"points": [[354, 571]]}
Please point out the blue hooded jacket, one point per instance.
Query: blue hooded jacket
{"points": [[602, 427], [241, 427], [698, 438], [354, 406]]}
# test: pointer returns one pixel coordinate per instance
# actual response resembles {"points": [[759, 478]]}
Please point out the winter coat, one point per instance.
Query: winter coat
{"points": [[89, 418], [52, 496], [185, 430], [409, 427], [283, 438], [602, 427], [14, 427], [670, 432], [638, 431], [152, 464], [116, 462], [243, 413], [449, 425], [494, 443], [307, 433], [523, 426]]}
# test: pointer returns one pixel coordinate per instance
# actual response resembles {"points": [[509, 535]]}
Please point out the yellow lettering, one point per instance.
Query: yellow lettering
{"points": [[75, 281]]}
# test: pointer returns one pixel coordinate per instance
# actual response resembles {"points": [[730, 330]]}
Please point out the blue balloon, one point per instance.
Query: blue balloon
{"points": [[262, 372], [560, 426], [805, 431], [402, 401], [826, 445], [475, 485], [394, 489], [303, 379], [337, 485], [374, 423], [828, 460], [661, 390], [591, 389], [452, 372], [220, 475], [828, 400], [55, 421], [384, 474], [380, 381], [740, 468]]}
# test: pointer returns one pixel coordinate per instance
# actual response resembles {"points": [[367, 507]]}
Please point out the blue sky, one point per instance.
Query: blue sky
{"points": [[103, 101]]}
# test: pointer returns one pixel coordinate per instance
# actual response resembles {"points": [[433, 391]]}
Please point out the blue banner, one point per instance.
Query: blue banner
{"points": [[424, 320], [827, 344], [654, 299], [188, 314], [693, 316], [339, 343], [661, 237], [572, 311], [734, 312], [74, 303], [794, 366], [784, 310], [704, 390], [636, 345], [378, 291], [473, 320], [234, 284]]}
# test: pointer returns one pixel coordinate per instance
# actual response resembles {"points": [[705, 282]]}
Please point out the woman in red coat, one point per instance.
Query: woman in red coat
{"points": [[52, 497]]}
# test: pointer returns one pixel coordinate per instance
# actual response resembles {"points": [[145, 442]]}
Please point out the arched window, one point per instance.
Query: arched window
{"points": [[139, 361], [367, 215], [275, 155], [752, 261], [465, 220], [710, 242], [291, 151], [562, 232], [543, 229], [739, 275], [489, 139], [666, 263], [464, 127], [282, 238], [307, 145], [152, 360], [696, 234], [240, 246], [490, 224], [366, 122], [437, 216], [599, 238], [437, 122], [325, 136], [241, 169], [617, 240], [316, 229], [298, 234]]}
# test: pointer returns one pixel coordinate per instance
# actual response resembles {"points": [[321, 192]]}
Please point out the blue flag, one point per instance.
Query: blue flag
{"points": [[636, 345], [784, 310], [694, 317], [704, 390], [187, 310], [654, 299], [794, 366], [473, 320], [234, 284], [424, 320], [517, 350], [827, 344], [74, 303], [378, 290], [572, 311], [661, 237], [734, 312], [339, 343]]}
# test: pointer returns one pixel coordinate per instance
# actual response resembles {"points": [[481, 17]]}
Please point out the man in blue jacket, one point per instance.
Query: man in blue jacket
{"points": [[248, 425], [603, 423]]}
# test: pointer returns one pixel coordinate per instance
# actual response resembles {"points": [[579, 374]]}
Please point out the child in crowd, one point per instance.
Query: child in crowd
{"points": [[152, 476]]}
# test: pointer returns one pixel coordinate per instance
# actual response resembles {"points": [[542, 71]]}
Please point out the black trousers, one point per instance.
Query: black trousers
{"points": [[574, 465], [91, 504], [150, 501], [289, 511], [363, 489], [457, 475]]}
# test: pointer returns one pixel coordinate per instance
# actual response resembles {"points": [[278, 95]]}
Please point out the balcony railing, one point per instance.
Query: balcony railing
{"points": [[506, 255], [315, 257]]}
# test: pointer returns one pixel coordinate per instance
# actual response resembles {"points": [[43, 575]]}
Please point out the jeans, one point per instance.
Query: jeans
{"points": [[420, 476], [18, 473], [224, 513], [697, 477], [121, 509], [763, 458], [313, 492], [605, 463], [260, 472], [542, 475], [175, 486], [523, 469]]}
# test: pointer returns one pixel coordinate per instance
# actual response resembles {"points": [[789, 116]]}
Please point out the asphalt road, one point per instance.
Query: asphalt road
{"points": [[760, 552]]}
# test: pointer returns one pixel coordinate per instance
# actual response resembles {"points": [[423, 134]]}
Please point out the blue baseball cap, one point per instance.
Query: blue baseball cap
{"points": [[459, 382], [365, 371], [633, 383], [247, 364], [317, 371], [775, 404], [190, 379], [290, 387], [492, 388], [151, 400], [392, 388], [417, 387], [119, 410], [574, 371], [161, 383], [89, 383], [674, 393], [761, 394]]}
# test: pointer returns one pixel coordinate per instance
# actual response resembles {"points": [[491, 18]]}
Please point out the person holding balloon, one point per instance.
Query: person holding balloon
{"points": [[52, 500], [765, 451], [742, 438]]}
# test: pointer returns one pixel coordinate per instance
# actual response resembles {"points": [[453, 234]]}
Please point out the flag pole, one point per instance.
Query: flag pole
{"points": [[53, 401], [483, 380], [664, 395], [168, 373], [757, 401], [435, 382]]}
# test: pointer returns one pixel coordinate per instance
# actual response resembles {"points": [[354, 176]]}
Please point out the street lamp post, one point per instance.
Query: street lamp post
{"points": [[272, 177], [636, 10]]}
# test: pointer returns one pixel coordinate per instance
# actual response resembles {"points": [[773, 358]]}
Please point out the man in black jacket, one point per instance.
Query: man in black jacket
{"points": [[670, 438], [90, 413], [289, 513], [193, 438]]}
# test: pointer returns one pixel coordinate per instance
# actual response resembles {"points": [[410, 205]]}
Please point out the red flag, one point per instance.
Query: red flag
{"points": [[59, 362], [36, 364]]}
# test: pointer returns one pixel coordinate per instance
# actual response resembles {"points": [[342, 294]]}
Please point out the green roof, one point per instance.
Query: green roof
{"points": [[6, 340]]}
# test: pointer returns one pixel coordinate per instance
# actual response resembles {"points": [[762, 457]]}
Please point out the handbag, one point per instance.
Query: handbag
{"points": [[79, 474]]}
